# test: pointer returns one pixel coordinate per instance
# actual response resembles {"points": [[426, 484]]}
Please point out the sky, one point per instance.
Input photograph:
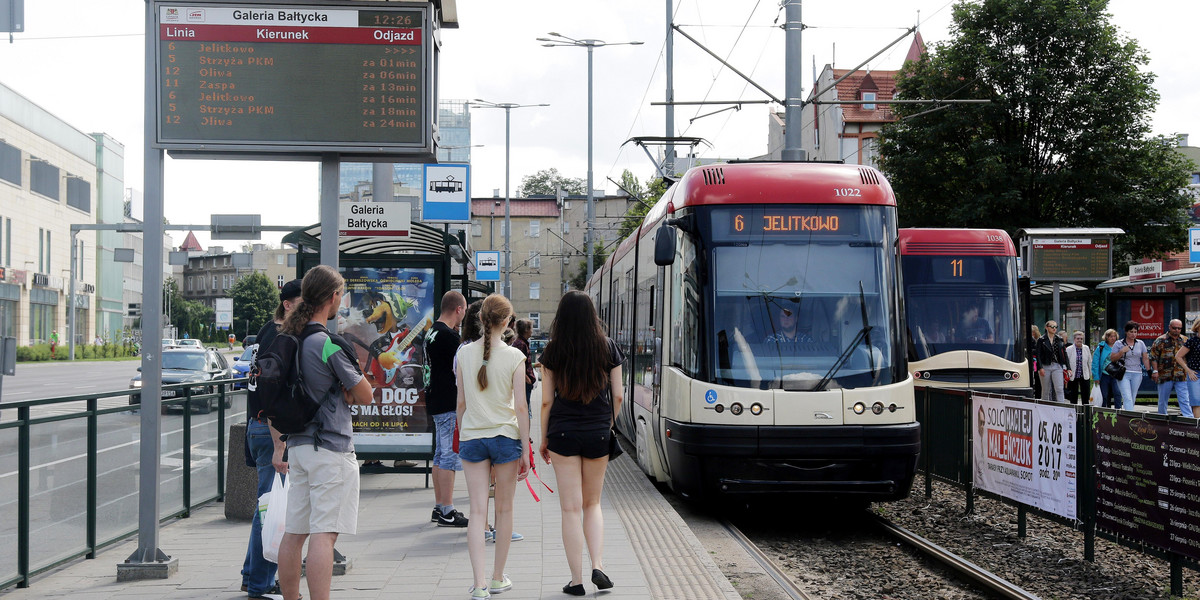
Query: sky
{"points": [[83, 61]]}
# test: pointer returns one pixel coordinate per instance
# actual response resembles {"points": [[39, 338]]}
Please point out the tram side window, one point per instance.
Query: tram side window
{"points": [[685, 348]]}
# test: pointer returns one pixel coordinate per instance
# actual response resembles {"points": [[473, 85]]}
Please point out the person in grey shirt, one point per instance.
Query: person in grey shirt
{"points": [[323, 497]]}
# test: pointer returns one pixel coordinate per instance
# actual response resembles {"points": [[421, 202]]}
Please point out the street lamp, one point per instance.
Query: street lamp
{"points": [[507, 106], [558, 39]]}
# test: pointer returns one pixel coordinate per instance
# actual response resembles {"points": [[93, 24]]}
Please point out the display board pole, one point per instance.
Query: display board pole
{"points": [[1054, 314], [148, 561], [330, 163]]}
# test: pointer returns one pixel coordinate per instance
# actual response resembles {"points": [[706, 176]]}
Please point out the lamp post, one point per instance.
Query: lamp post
{"points": [[507, 106], [558, 39]]}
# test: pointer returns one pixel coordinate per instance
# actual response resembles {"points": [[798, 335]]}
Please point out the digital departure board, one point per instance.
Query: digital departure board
{"points": [[294, 78], [1070, 260]]}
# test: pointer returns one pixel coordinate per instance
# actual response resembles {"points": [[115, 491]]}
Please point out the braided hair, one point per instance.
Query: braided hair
{"points": [[493, 315]]}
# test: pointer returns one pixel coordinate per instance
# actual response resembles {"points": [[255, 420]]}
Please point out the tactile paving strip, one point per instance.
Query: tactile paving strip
{"points": [[676, 564]]}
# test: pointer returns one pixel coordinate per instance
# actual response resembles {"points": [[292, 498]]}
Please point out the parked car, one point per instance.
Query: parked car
{"points": [[241, 364], [189, 343], [189, 365]]}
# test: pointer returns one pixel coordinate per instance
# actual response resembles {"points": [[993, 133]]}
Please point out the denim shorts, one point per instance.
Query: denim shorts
{"points": [[443, 452], [498, 449]]}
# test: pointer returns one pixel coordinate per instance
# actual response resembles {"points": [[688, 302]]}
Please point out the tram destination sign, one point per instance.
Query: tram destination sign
{"points": [[1070, 259], [296, 79]]}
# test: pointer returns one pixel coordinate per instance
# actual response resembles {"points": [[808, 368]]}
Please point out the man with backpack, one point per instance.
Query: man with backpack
{"points": [[264, 452], [323, 494]]}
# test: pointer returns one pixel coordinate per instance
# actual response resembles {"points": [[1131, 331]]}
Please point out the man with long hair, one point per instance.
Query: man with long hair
{"points": [[581, 396], [323, 497]]}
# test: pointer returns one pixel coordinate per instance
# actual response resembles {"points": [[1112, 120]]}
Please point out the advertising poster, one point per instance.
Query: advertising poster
{"points": [[1148, 481], [1026, 452], [385, 314]]}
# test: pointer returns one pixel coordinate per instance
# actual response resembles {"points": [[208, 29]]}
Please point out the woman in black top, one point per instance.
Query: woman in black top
{"points": [[581, 395]]}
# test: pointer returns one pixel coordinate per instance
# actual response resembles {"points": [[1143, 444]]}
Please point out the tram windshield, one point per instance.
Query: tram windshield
{"points": [[960, 303], [804, 309]]}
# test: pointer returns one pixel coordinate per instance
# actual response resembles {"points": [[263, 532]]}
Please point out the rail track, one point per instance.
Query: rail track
{"points": [[973, 578]]}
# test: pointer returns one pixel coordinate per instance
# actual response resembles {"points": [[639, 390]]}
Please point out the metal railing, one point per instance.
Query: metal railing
{"points": [[52, 526]]}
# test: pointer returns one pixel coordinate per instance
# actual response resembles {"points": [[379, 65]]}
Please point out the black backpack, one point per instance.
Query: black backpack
{"points": [[276, 379]]}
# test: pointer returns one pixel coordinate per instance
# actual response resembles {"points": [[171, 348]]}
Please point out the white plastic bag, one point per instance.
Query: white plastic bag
{"points": [[272, 512], [1097, 397]]}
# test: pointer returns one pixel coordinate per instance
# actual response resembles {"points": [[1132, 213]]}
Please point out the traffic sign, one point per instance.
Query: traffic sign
{"points": [[446, 195], [487, 265]]}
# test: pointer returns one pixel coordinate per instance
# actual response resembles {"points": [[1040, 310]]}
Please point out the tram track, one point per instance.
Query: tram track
{"points": [[824, 561]]}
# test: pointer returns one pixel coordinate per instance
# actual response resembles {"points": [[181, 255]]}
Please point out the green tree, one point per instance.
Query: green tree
{"points": [[599, 255], [545, 182], [188, 316], [254, 301], [646, 199], [1063, 142]]}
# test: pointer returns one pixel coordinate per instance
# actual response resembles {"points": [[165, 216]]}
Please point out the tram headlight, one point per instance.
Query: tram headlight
{"points": [[859, 408], [877, 408], [756, 409], [892, 408], [1008, 375], [720, 408], [735, 409], [1016, 375]]}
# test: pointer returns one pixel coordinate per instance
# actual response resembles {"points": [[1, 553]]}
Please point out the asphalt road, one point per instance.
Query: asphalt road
{"points": [[58, 484]]}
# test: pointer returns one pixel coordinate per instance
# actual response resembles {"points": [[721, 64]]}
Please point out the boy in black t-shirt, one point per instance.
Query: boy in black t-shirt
{"points": [[441, 400]]}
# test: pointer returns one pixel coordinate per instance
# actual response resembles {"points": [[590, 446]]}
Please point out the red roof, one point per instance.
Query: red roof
{"points": [[782, 183], [883, 83], [190, 244], [524, 207], [916, 49], [969, 242]]}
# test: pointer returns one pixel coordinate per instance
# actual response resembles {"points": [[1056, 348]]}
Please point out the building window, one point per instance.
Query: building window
{"points": [[43, 178], [79, 194], [535, 291], [280, 259], [1194, 301], [1195, 178], [1147, 288], [10, 163], [501, 228], [868, 96], [476, 228], [535, 228], [279, 282], [214, 285], [566, 226], [226, 261], [8, 242], [535, 319], [535, 259], [1162, 287]]}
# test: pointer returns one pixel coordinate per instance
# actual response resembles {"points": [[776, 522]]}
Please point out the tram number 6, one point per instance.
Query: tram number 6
{"points": [[739, 223]]}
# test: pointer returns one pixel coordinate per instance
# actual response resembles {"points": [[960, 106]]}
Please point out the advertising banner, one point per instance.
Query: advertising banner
{"points": [[1148, 481], [1026, 452], [224, 313], [1149, 316], [384, 315]]}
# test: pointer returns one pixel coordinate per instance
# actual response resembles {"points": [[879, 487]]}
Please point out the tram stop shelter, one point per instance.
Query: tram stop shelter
{"points": [[394, 287]]}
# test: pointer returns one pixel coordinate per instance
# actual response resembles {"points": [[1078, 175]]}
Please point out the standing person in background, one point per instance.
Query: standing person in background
{"points": [[494, 434], [323, 494], [441, 399], [1052, 363], [1110, 392], [53, 341], [1133, 352], [264, 452], [1034, 335], [1189, 359], [1079, 389], [581, 396], [1166, 372], [521, 342]]}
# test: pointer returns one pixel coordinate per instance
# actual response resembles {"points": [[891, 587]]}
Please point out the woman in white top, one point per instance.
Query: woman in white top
{"points": [[1133, 352], [494, 434]]}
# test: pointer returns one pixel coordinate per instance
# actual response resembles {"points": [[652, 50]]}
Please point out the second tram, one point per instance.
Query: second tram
{"points": [[759, 307], [961, 300]]}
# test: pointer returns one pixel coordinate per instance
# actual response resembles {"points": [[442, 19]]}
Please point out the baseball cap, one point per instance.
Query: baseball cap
{"points": [[290, 290]]}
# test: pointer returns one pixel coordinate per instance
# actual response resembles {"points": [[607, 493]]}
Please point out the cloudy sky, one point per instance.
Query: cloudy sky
{"points": [[83, 61]]}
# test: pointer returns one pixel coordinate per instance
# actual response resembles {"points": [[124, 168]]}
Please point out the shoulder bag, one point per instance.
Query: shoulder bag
{"points": [[1116, 370]]}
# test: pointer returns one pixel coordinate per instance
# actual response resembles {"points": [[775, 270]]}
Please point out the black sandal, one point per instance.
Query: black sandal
{"points": [[574, 590]]}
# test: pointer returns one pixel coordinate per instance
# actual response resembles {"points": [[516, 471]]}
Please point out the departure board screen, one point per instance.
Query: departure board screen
{"points": [[293, 78], [1071, 260]]}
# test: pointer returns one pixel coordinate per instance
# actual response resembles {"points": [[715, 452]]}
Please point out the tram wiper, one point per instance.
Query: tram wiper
{"points": [[863, 334]]}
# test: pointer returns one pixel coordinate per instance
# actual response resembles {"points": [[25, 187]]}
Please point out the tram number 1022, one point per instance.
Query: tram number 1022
{"points": [[1050, 450]]}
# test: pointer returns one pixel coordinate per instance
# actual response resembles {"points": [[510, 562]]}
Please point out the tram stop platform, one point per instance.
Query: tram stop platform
{"points": [[649, 551]]}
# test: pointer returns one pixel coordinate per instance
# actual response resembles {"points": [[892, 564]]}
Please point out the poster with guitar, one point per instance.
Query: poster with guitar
{"points": [[385, 314]]}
